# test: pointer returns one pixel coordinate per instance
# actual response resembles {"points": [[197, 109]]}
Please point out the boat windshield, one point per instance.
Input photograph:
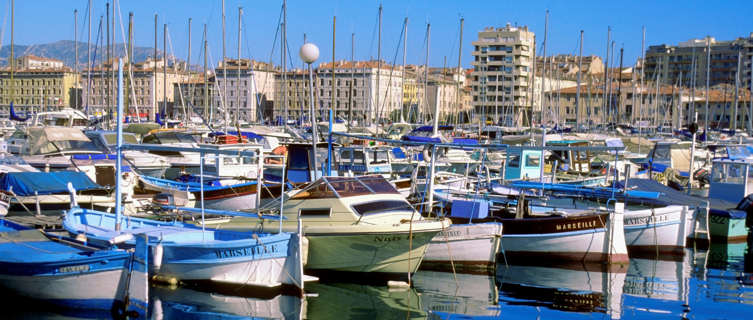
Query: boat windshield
{"points": [[340, 187], [379, 156], [112, 138]]}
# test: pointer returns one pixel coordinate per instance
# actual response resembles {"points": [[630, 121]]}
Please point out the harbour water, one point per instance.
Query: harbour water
{"points": [[704, 284]]}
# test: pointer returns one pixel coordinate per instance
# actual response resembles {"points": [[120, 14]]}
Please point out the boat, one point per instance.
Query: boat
{"points": [[63, 272], [730, 188], [145, 163], [47, 192], [470, 244], [355, 226], [188, 253]]}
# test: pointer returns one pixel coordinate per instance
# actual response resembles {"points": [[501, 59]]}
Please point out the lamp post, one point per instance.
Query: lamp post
{"points": [[309, 53]]}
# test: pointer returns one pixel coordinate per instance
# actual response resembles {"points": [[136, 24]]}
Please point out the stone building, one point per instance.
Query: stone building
{"points": [[250, 88], [39, 84]]}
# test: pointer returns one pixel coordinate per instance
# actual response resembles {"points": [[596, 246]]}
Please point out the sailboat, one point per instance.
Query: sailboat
{"points": [[182, 252]]}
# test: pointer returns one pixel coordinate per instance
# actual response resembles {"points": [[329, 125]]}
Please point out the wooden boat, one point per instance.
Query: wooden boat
{"points": [[70, 274], [188, 253]]}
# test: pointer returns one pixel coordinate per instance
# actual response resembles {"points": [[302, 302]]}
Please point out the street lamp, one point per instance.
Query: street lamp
{"points": [[309, 53]]}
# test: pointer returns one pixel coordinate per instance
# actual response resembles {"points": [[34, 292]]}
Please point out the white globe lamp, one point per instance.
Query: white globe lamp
{"points": [[309, 52]]}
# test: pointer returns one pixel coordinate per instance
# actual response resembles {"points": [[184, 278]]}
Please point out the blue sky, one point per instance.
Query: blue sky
{"points": [[42, 21]]}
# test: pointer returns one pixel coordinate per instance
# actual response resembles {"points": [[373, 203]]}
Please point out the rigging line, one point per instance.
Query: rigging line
{"points": [[266, 81], [392, 70], [130, 61], [374, 33]]}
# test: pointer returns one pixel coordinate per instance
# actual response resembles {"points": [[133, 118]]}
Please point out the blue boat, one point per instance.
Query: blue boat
{"points": [[66, 273], [188, 253]]}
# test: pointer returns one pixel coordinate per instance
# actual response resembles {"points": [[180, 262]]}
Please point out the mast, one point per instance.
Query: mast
{"points": [[206, 83], [224, 71], [75, 46], [737, 86], [188, 71], [577, 88], [460, 72], [619, 88], [112, 91], [109, 57], [283, 49], [155, 105], [164, 71], [642, 89], [606, 73], [379, 66], [352, 77], [543, 72], [426, 75], [691, 110], [238, 81], [129, 55], [405, 52], [89, 60], [750, 97], [334, 29], [708, 72]]}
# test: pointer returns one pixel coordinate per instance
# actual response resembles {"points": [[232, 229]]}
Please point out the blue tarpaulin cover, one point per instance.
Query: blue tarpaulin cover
{"points": [[470, 209], [421, 139], [25, 183]]}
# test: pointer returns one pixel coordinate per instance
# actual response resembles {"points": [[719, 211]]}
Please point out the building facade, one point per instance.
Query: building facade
{"points": [[248, 88], [666, 63], [147, 89], [38, 87], [502, 63]]}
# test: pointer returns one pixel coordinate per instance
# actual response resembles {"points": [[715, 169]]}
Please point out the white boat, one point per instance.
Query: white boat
{"points": [[466, 245], [355, 225]]}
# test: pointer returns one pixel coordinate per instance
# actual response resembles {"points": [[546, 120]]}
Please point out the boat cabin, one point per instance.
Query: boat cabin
{"points": [[364, 160], [731, 179], [522, 163], [348, 200], [63, 118], [572, 160], [300, 162]]}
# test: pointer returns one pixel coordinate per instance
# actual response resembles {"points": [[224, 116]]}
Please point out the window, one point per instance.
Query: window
{"points": [[382, 206], [323, 212], [532, 160], [513, 161]]}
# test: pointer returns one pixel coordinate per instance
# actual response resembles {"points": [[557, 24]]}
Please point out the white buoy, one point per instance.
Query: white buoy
{"points": [[157, 254]]}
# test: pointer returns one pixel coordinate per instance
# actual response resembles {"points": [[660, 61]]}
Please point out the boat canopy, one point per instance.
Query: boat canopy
{"points": [[341, 187], [45, 140], [26, 183]]}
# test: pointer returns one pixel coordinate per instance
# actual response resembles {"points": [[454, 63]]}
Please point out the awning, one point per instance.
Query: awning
{"points": [[26, 183]]}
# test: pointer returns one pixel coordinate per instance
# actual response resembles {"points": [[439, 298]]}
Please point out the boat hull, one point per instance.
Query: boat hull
{"points": [[386, 254], [661, 230], [469, 247], [727, 229], [560, 239], [97, 290]]}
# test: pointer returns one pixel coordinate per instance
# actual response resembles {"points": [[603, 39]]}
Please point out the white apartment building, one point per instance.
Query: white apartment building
{"points": [[248, 94], [502, 70]]}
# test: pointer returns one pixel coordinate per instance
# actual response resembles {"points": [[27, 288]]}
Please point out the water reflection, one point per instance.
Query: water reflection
{"points": [[186, 303], [712, 284], [357, 301]]}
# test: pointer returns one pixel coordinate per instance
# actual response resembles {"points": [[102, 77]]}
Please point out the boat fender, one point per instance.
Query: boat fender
{"points": [[157, 254], [398, 284], [121, 238], [81, 238]]}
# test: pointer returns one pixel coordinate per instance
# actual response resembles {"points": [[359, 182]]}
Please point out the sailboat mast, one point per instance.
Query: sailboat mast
{"points": [[164, 72], [641, 88], [224, 72], [352, 77], [206, 82], [379, 64], [155, 106], [238, 74], [188, 72], [109, 62], [543, 71], [332, 101], [606, 73], [75, 63], [405, 56], [577, 88], [129, 59], [708, 72], [426, 74], [460, 73], [89, 61], [283, 50], [619, 89], [733, 122]]}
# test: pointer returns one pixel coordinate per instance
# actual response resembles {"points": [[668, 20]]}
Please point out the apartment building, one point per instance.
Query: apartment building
{"points": [[502, 63], [666, 63], [248, 88], [39, 84]]}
